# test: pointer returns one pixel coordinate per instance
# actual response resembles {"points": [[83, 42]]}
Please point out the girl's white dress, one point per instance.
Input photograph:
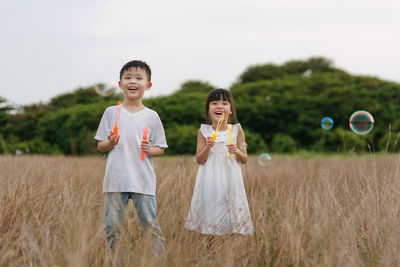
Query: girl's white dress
{"points": [[219, 204]]}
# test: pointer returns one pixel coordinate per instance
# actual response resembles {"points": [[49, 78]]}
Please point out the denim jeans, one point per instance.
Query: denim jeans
{"points": [[146, 206]]}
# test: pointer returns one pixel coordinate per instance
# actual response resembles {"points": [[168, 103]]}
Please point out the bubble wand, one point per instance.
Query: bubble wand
{"points": [[230, 137], [115, 129], [214, 136], [145, 136]]}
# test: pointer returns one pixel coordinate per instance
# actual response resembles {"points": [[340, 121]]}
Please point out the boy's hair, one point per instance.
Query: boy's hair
{"points": [[136, 64], [216, 95]]}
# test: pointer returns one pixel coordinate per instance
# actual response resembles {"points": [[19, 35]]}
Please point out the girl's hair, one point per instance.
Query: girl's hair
{"points": [[216, 95]]}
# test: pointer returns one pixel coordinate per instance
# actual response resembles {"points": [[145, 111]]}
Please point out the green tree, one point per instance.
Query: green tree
{"points": [[279, 105], [5, 108], [181, 139], [283, 143], [192, 86]]}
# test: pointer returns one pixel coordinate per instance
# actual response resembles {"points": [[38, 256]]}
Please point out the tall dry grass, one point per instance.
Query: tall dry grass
{"points": [[307, 212]]}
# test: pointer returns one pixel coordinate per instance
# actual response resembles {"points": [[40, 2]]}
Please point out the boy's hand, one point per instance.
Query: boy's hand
{"points": [[232, 148], [210, 142], [145, 146], [113, 139], [105, 146]]}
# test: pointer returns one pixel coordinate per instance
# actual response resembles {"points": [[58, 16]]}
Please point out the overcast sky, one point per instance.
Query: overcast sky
{"points": [[49, 47]]}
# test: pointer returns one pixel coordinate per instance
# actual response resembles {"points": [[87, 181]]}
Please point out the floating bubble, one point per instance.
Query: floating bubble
{"points": [[243, 146], [104, 90], [307, 73], [361, 122], [326, 123], [264, 159], [268, 98]]}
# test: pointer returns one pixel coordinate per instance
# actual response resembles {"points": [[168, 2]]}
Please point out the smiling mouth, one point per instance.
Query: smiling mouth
{"points": [[218, 113]]}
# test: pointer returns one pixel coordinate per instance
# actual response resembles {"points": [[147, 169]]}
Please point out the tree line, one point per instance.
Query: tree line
{"points": [[279, 107]]}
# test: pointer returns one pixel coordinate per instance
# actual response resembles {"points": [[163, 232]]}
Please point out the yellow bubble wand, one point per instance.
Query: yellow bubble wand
{"points": [[230, 137], [214, 136]]}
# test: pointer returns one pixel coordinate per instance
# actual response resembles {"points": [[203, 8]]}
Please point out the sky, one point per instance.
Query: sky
{"points": [[51, 47]]}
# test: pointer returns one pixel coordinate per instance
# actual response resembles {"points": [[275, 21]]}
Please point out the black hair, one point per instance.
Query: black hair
{"points": [[217, 95], [136, 64]]}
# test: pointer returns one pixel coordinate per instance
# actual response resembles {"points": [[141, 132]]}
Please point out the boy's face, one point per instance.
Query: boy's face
{"points": [[217, 107], [134, 83]]}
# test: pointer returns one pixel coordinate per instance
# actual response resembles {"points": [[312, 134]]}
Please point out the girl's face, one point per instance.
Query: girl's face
{"points": [[217, 107]]}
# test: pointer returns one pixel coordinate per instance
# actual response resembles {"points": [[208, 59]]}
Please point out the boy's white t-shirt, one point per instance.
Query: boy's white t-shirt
{"points": [[125, 172]]}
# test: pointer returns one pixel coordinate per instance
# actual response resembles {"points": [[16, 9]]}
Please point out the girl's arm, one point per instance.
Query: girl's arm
{"points": [[203, 147], [238, 149]]}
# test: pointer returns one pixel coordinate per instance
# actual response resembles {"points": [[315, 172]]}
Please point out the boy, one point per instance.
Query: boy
{"points": [[126, 176]]}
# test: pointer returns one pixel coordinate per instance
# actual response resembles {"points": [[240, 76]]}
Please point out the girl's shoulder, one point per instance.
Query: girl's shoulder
{"points": [[206, 129], [205, 126], [236, 127]]}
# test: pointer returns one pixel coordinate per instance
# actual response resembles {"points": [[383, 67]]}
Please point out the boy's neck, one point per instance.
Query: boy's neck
{"points": [[133, 106]]}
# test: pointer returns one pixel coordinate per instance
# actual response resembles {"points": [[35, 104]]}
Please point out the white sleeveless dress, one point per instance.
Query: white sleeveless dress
{"points": [[219, 204]]}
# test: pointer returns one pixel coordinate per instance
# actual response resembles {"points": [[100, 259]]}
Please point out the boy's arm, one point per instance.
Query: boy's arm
{"points": [[153, 151], [156, 151], [105, 146]]}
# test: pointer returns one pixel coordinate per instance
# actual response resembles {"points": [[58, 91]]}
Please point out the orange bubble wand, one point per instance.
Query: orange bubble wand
{"points": [[214, 136], [115, 128], [230, 137], [145, 136]]}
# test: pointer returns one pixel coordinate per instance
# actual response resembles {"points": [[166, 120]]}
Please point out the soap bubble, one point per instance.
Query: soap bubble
{"points": [[361, 122], [243, 146], [307, 73], [104, 90], [264, 159], [327, 123], [268, 98]]}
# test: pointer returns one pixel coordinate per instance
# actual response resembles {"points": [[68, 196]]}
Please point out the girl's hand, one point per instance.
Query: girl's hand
{"points": [[113, 139], [232, 148], [145, 146], [210, 142]]}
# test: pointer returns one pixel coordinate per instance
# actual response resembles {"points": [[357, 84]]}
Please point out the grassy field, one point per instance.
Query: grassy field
{"points": [[319, 211]]}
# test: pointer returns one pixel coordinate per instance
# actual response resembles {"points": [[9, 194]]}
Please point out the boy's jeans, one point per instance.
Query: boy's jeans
{"points": [[146, 206]]}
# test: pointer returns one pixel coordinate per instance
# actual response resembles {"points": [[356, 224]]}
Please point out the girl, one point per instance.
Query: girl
{"points": [[219, 204]]}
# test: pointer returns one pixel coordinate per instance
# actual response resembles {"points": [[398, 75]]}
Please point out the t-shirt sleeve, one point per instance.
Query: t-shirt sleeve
{"points": [[157, 136], [105, 126]]}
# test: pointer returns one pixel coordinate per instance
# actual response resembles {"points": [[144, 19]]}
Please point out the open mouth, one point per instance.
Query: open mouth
{"points": [[218, 113], [132, 89]]}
